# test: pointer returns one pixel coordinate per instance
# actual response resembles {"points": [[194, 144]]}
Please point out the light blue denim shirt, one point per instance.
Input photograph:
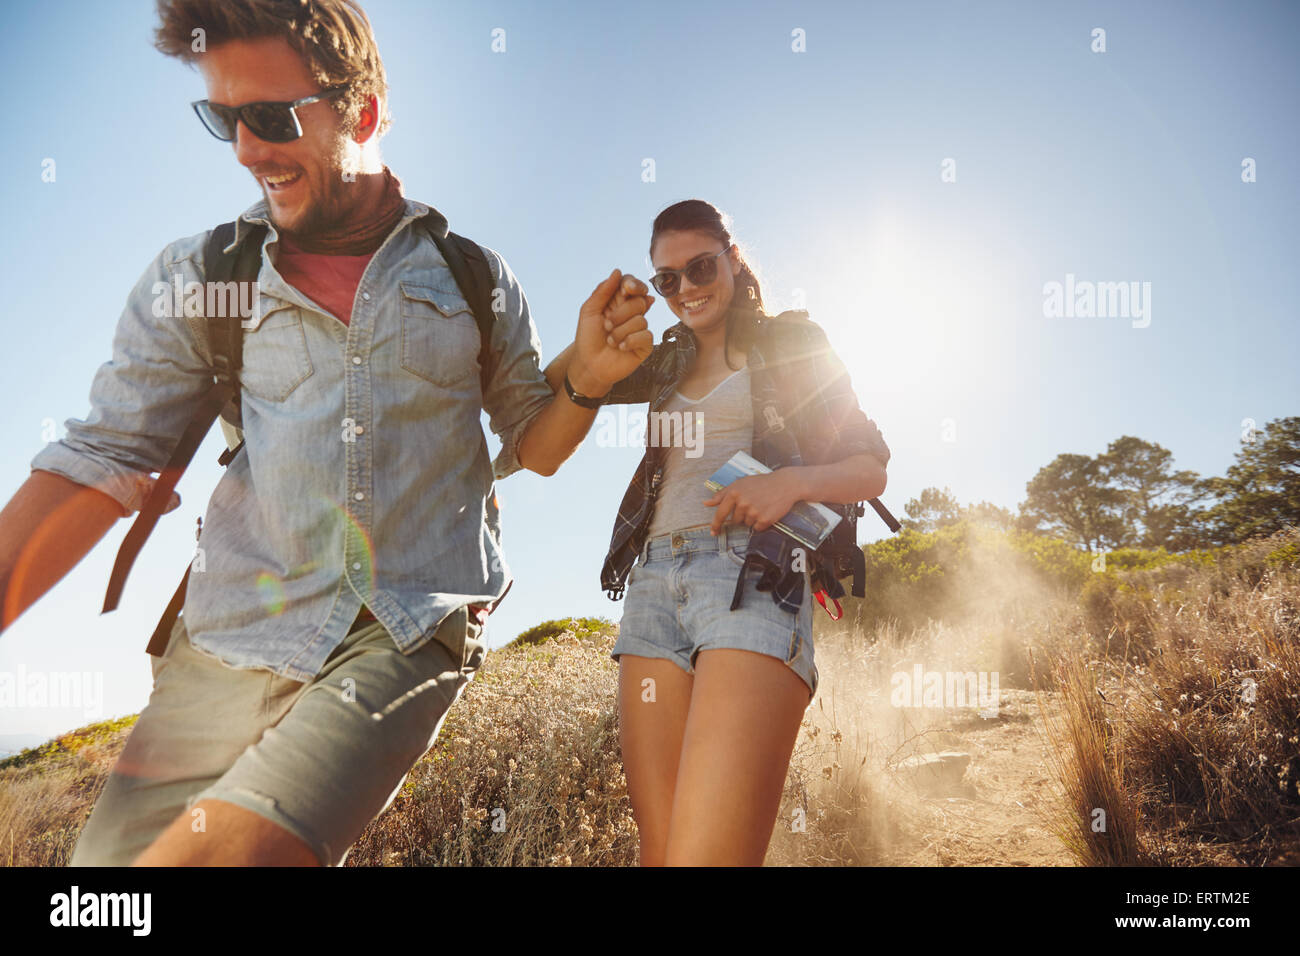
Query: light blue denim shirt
{"points": [[365, 476]]}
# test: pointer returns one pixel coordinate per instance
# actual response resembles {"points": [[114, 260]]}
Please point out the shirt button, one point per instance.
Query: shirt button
{"points": [[366, 296], [356, 565], [359, 429], [356, 360], [359, 496]]}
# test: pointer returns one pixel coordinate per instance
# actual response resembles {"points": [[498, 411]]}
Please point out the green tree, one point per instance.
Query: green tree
{"points": [[1157, 509], [990, 514], [1261, 492], [934, 509], [1070, 499]]}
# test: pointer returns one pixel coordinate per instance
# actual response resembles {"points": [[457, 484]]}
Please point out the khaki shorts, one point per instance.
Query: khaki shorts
{"points": [[310, 757]]}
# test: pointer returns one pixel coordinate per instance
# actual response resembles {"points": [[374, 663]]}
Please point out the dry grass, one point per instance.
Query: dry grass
{"points": [[47, 793], [1185, 726], [533, 748], [1097, 818], [525, 772], [1178, 716]]}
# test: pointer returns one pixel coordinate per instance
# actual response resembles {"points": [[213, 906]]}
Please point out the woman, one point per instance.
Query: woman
{"points": [[711, 697]]}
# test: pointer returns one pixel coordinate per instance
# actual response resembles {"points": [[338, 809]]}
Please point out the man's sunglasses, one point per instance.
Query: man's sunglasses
{"points": [[273, 122], [701, 271]]}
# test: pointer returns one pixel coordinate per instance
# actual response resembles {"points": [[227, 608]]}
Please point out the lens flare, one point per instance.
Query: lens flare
{"points": [[271, 590]]}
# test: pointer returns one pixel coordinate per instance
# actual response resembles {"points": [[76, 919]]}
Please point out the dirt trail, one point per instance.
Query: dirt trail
{"points": [[995, 815]]}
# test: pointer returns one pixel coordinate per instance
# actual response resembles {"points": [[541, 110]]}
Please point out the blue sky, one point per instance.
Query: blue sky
{"points": [[1122, 166]]}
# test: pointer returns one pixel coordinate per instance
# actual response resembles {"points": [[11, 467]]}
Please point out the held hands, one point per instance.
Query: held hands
{"points": [[759, 501], [613, 337]]}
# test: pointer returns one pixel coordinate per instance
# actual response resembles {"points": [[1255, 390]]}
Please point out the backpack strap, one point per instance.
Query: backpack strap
{"points": [[469, 267], [225, 342], [209, 408], [226, 334], [226, 346], [885, 516], [157, 645]]}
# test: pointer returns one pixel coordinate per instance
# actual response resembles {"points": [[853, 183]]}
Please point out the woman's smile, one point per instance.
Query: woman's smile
{"points": [[696, 305]]}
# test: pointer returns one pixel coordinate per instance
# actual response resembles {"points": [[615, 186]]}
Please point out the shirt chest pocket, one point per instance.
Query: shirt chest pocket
{"points": [[440, 341], [276, 358]]}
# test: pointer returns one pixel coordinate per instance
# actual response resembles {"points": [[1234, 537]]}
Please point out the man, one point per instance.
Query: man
{"points": [[352, 547]]}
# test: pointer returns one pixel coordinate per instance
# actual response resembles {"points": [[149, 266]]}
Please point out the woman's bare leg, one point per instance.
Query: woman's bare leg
{"points": [[650, 734], [744, 718]]}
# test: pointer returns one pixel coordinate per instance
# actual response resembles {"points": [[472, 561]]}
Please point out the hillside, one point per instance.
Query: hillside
{"points": [[555, 770], [1122, 691]]}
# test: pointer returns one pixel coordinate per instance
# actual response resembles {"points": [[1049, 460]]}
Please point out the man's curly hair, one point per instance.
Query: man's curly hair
{"points": [[333, 36]]}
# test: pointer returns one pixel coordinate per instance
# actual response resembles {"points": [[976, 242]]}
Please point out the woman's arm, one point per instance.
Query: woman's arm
{"points": [[762, 500], [856, 478], [832, 428]]}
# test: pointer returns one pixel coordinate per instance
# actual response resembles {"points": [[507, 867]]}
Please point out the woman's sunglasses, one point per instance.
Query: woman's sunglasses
{"points": [[700, 271], [273, 122]]}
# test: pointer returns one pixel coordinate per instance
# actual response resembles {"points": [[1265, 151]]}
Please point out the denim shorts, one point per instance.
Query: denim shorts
{"points": [[678, 603]]}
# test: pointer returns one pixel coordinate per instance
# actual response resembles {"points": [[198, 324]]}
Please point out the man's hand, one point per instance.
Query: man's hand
{"points": [[759, 501], [613, 337]]}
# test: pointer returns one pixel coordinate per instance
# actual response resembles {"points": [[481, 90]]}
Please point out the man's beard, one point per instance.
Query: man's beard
{"points": [[328, 215], [325, 216], [352, 217]]}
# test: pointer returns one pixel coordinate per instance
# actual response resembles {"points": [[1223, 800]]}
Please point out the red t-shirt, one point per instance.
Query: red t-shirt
{"points": [[329, 281]]}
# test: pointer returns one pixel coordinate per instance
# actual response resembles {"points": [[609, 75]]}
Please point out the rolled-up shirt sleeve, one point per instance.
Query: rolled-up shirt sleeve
{"points": [[143, 397], [518, 390]]}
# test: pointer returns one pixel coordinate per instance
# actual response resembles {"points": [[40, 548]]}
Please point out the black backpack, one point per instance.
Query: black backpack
{"points": [[225, 335], [843, 555]]}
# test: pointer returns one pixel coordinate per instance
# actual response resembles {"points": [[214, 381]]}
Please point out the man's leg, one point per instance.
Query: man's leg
{"points": [[200, 717], [232, 836], [334, 760]]}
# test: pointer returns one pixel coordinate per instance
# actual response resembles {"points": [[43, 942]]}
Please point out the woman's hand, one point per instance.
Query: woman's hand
{"points": [[759, 501]]}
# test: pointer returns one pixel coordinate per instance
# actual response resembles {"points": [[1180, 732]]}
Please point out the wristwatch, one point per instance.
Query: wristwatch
{"points": [[583, 400]]}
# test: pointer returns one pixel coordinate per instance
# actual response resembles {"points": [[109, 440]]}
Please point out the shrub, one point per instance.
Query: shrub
{"points": [[580, 626]]}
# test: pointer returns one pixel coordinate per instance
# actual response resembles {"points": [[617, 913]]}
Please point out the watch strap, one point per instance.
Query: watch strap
{"points": [[583, 400]]}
